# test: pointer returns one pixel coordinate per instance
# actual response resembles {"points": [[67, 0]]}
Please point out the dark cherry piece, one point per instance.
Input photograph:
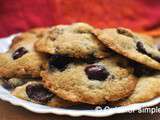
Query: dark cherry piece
{"points": [[19, 53], [96, 72], [38, 93], [140, 48], [124, 32], [59, 61]]}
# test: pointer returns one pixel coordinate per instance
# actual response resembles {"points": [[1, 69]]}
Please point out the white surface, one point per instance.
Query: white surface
{"points": [[6, 96]]}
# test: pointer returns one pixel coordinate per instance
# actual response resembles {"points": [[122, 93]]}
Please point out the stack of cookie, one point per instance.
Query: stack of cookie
{"points": [[69, 64]]}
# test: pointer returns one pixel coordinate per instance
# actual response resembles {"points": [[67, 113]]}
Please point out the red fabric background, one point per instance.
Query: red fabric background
{"points": [[20, 15]]}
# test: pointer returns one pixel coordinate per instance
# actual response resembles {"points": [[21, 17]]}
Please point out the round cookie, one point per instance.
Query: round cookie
{"points": [[35, 92], [75, 40], [94, 83], [136, 47], [22, 60], [146, 89]]}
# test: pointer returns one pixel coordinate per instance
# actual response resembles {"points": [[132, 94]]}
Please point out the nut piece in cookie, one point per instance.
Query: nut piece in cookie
{"points": [[94, 83], [21, 60], [146, 89], [35, 91], [136, 47], [75, 40]]}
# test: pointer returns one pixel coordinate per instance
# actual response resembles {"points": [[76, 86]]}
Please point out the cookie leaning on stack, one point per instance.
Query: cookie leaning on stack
{"points": [[142, 50], [130, 45], [82, 64]]}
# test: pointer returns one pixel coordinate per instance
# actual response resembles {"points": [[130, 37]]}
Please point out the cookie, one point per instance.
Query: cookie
{"points": [[92, 83], [146, 89], [22, 60], [75, 40], [35, 92], [130, 45]]}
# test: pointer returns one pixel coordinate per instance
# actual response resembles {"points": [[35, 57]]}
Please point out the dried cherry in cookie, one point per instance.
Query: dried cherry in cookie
{"points": [[20, 92], [59, 61], [140, 48], [19, 53], [38, 93], [124, 32], [96, 72]]}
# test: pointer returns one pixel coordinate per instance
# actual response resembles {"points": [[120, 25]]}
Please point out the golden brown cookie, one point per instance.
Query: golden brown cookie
{"points": [[131, 45], [146, 89], [22, 60], [92, 83], [75, 40]]}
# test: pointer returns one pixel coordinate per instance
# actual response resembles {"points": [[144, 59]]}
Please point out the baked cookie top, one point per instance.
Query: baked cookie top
{"points": [[75, 40], [92, 83], [22, 60], [146, 89], [34, 91], [136, 47]]}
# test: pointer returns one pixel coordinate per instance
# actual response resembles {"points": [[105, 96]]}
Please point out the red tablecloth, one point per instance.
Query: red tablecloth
{"points": [[20, 15]]}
